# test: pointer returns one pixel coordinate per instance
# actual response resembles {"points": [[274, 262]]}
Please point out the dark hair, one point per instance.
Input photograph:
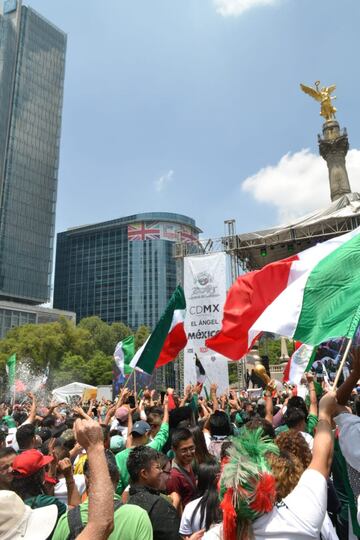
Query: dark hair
{"points": [[202, 454], [8, 451], [49, 421], [70, 421], [293, 417], [156, 410], [209, 504], [356, 406], [219, 424], [2, 436], [112, 467], [180, 435], [297, 402], [25, 436], [255, 423], [140, 458], [44, 433], [19, 417], [31, 486], [224, 449]]}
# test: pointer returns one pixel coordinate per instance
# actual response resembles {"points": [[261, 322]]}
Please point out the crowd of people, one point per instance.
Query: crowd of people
{"points": [[170, 467]]}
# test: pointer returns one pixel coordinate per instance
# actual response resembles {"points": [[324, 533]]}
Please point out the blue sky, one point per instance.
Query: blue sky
{"points": [[192, 106]]}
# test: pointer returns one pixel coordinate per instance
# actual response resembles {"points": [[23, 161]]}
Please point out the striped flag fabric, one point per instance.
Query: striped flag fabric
{"points": [[312, 297], [167, 339], [299, 362], [200, 371], [10, 367], [123, 354]]}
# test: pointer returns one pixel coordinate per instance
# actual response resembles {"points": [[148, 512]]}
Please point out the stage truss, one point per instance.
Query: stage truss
{"points": [[251, 251]]}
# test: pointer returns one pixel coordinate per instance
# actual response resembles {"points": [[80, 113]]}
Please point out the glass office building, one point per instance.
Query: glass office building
{"points": [[121, 270], [32, 68]]}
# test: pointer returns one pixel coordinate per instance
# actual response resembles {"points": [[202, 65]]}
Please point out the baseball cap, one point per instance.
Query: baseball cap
{"points": [[30, 462], [122, 414], [117, 443], [141, 427], [19, 522]]}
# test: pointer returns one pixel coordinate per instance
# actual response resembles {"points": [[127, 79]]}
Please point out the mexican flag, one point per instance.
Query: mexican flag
{"points": [[312, 297], [300, 361], [167, 339], [123, 354], [200, 371], [11, 369]]}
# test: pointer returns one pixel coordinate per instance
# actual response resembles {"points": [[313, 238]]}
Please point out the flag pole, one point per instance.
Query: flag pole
{"points": [[135, 384], [128, 379], [342, 363]]}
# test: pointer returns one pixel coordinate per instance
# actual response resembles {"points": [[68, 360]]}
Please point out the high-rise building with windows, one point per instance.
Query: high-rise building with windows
{"points": [[32, 67], [121, 270]]}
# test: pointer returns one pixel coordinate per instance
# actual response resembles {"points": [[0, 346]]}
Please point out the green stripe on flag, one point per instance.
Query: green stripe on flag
{"points": [[150, 352], [124, 353], [331, 302], [11, 369]]}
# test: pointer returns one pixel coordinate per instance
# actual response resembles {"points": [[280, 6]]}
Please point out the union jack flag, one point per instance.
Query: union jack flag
{"points": [[187, 235], [144, 231]]}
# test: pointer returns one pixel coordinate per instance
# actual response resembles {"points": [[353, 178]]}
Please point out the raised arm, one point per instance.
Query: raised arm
{"points": [[269, 406], [313, 409], [344, 391], [32, 413], [73, 496], [323, 440], [101, 505], [213, 396]]}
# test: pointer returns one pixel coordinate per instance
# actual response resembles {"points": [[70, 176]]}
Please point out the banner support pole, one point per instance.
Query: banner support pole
{"points": [[342, 363]]}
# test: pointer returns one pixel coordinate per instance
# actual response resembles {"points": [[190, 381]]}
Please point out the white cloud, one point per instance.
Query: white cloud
{"points": [[298, 183], [164, 180], [228, 8]]}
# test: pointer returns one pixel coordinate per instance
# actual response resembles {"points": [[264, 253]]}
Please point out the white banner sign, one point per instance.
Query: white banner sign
{"points": [[205, 293]]}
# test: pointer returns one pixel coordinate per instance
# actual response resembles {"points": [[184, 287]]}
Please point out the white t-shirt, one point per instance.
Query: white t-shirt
{"points": [[309, 439], [187, 528], [298, 517], [60, 490]]}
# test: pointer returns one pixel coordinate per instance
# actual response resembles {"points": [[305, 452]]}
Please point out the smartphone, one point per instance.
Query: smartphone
{"points": [[131, 402]]}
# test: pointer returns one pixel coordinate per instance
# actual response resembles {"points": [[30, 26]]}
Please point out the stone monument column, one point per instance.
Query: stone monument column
{"points": [[333, 147]]}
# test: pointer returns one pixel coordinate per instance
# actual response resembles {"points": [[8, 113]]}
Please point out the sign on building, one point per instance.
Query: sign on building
{"points": [[205, 293]]}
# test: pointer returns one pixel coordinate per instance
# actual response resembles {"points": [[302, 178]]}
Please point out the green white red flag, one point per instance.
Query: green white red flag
{"points": [[312, 297], [123, 354], [299, 362], [10, 367], [167, 339]]}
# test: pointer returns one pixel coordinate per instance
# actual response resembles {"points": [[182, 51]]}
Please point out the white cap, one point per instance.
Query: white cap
{"points": [[19, 522]]}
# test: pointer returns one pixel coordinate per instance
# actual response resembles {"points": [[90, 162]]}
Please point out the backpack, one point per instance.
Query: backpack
{"points": [[75, 523]]}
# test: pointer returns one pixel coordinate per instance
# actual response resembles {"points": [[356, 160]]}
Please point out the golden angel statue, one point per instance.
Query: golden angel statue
{"points": [[323, 95]]}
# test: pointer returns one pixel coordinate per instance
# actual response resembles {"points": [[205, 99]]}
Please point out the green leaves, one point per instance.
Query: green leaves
{"points": [[81, 353]]}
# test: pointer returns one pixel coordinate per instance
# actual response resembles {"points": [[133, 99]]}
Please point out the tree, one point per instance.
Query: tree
{"points": [[80, 353], [99, 369], [100, 333], [119, 332]]}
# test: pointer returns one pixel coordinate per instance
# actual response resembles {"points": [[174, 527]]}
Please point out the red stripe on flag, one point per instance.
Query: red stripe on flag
{"points": [[247, 299], [173, 344]]}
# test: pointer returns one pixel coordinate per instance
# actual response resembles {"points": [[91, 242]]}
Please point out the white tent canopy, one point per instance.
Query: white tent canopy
{"points": [[73, 389]]}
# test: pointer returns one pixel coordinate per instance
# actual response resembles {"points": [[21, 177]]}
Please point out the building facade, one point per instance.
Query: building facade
{"points": [[14, 314], [121, 270], [32, 68]]}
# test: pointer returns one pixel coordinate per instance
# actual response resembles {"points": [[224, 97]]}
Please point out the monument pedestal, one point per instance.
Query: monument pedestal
{"points": [[333, 147]]}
